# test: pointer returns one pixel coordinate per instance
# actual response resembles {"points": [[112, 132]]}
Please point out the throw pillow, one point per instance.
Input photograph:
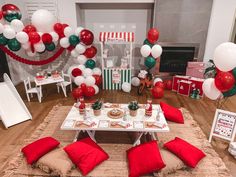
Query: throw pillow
{"points": [[144, 159], [190, 154], [171, 113], [86, 154], [55, 162], [37, 149]]}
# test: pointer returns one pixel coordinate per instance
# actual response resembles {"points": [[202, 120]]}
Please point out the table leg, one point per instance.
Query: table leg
{"points": [[153, 135], [76, 135], [137, 141], [41, 93], [91, 135]]}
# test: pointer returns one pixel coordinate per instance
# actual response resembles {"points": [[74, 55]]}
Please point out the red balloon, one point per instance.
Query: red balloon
{"points": [[58, 27], [160, 84], [153, 35], [98, 79], [29, 28], [77, 93], [224, 81], [90, 91], [168, 84], [90, 52], [157, 92], [64, 26], [47, 38], [76, 72], [1, 15], [83, 87], [34, 37], [86, 37]]}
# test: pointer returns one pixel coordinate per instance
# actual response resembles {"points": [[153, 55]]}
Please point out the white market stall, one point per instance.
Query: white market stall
{"points": [[114, 76]]}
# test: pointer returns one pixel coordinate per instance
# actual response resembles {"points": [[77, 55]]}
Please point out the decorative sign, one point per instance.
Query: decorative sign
{"points": [[224, 125], [116, 77]]}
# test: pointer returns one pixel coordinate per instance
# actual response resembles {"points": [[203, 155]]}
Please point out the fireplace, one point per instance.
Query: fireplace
{"points": [[175, 57]]}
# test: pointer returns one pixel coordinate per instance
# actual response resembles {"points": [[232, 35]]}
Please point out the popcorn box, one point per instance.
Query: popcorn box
{"points": [[176, 80], [195, 69]]}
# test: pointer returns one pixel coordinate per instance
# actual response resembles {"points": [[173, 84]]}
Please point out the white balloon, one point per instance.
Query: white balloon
{"points": [[55, 36], [74, 53], [96, 89], [135, 81], [68, 31], [210, 90], [1, 28], [79, 80], [81, 59], [156, 51], [30, 54], [126, 87], [225, 56], [81, 67], [145, 50], [17, 25], [43, 20], [87, 72], [80, 48], [78, 30], [39, 47], [9, 33], [64, 42], [22, 37], [97, 71], [26, 46], [157, 80], [89, 81]]}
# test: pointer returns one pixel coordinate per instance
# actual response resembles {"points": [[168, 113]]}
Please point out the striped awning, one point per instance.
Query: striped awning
{"points": [[116, 36]]}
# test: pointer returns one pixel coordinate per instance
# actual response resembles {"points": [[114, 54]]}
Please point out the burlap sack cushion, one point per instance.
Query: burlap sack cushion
{"points": [[56, 163], [173, 163]]}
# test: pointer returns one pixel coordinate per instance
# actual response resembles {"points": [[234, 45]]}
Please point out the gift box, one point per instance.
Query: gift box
{"points": [[196, 84], [176, 80], [184, 87], [195, 69]]}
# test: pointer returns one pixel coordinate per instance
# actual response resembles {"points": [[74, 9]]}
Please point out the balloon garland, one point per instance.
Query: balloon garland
{"points": [[224, 82], [44, 34]]}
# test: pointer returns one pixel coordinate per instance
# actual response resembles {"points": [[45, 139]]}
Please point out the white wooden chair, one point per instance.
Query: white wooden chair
{"points": [[29, 90], [67, 82]]}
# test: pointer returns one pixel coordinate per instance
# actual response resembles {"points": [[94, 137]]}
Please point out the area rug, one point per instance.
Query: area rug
{"points": [[210, 166]]}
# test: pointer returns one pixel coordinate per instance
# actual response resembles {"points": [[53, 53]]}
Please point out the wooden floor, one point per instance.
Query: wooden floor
{"points": [[202, 110]]}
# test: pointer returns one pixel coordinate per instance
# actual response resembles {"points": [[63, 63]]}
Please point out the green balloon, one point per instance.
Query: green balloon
{"points": [[74, 40], [234, 73], [230, 92], [50, 47], [150, 62], [90, 64], [13, 44], [147, 43], [3, 40], [11, 16]]}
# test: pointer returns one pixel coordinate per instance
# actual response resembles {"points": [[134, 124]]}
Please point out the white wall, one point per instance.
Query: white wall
{"points": [[221, 25]]}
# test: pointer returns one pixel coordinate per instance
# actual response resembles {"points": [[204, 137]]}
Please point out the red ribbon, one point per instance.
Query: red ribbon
{"points": [[32, 62]]}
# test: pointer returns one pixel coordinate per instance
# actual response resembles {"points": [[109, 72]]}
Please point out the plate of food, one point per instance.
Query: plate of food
{"points": [[115, 113]]}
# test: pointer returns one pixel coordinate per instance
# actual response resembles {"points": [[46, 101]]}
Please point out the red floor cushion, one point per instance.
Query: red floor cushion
{"points": [[171, 113], [86, 154], [39, 148], [144, 159], [188, 153]]}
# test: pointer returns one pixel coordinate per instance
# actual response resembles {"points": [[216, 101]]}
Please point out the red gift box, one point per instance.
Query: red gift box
{"points": [[184, 87], [176, 80], [195, 69], [196, 83]]}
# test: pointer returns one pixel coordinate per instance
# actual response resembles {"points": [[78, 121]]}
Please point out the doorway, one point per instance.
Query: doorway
{"points": [[3, 65]]}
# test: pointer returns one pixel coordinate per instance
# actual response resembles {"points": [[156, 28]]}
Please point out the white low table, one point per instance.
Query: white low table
{"points": [[74, 121], [49, 80]]}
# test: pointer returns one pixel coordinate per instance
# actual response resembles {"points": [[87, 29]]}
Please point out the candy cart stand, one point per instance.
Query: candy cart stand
{"points": [[115, 76]]}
